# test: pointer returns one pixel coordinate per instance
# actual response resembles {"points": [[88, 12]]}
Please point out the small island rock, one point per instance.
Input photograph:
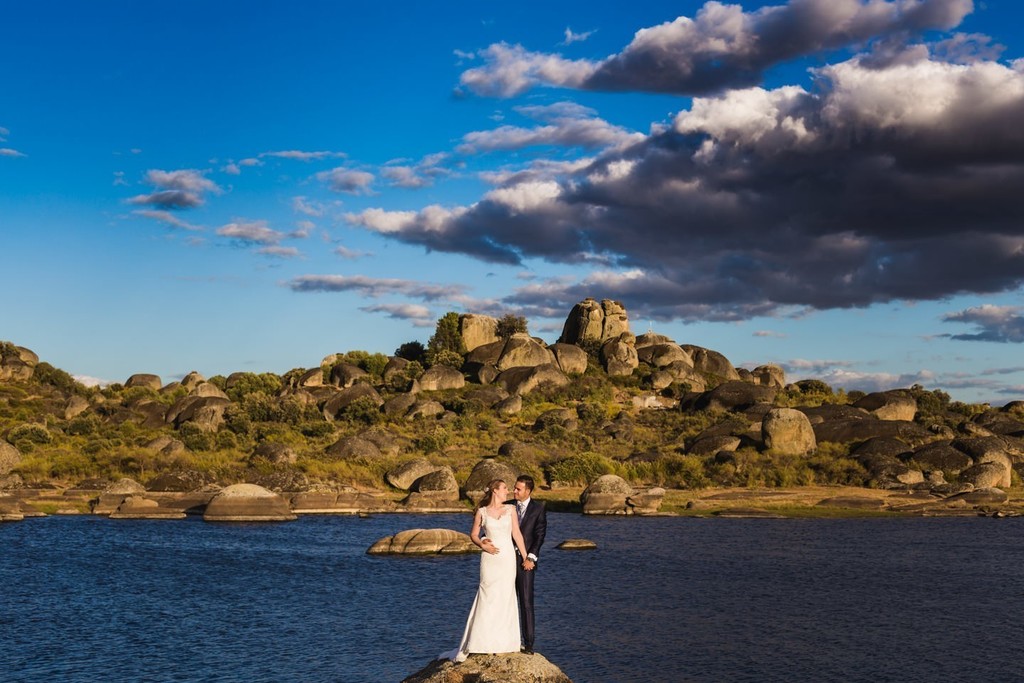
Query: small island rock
{"points": [[247, 503], [505, 668], [424, 542]]}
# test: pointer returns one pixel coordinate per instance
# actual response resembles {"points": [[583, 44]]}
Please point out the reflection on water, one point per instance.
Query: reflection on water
{"points": [[662, 599]]}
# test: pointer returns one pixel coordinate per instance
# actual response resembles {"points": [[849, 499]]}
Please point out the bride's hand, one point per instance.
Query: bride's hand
{"points": [[488, 546]]}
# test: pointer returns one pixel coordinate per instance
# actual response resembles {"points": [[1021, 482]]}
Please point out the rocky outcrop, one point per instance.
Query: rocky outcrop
{"points": [[711, 362], [521, 381], [986, 475], [311, 378], [325, 500], [576, 544], [75, 406], [889, 405], [941, 456], [570, 359], [663, 354], [564, 418], [512, 405], [353, 448], [592, 321], [735, 396], [438, 485], [484, 472], [507, 668], [192, 380], [523, 351], [423, 409], [115, 494], [441, 377], [861, 429], [645, 501], [206, 390], [477, 330], [247, 503], [144, 380], [345, 375], [606, 495], [768, 376], [9, 457], [714, 443], [339, 402], [205, 412], [274, 453], [16, 363], [424, 542], [786, 431], [403, 476], [619, 355], [137, 507]]}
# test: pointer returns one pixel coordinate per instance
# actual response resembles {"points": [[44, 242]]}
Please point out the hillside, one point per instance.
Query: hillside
{"points": [[600, 401]]}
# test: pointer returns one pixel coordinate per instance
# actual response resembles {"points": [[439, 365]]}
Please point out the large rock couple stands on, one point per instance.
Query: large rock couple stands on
{"points": [[510, 668]]}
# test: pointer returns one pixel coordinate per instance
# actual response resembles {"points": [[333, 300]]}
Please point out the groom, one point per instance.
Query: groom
{"points": [[533, 522]]}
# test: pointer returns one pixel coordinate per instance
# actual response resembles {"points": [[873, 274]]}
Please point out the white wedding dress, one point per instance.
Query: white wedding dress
{"points": [[493, 624]]}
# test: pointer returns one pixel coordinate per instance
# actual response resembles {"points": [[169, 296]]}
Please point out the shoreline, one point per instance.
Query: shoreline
{"points": [[792, 502]]}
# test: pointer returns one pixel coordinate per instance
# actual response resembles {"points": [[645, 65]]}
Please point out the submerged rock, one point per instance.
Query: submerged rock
{"points": [[505, 668]]}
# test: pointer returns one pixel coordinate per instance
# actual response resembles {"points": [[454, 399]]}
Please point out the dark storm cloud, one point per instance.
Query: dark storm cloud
{"points": [[722, 47], [900, 182]]}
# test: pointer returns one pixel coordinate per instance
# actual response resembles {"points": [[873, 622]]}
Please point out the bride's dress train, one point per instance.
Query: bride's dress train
{"points": [[493, 624]]}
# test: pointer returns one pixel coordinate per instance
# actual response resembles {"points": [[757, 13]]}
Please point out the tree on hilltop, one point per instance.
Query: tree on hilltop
{"points": [[446, 346], [509, 324]]}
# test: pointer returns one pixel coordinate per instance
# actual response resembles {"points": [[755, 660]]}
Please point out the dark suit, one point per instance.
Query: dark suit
{"points": [[534, 526]]}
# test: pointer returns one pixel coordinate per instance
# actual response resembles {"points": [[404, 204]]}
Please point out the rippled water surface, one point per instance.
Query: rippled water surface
{"points": [[662, 599]]}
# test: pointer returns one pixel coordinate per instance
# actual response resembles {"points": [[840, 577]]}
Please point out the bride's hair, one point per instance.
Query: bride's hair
{"points": [[486, 500]]}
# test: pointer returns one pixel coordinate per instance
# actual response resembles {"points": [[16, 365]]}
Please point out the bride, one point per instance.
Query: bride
{"points": [[493, 624]]}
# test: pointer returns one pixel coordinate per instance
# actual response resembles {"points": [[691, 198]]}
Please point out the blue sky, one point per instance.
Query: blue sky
{"points": [[832, 186]]}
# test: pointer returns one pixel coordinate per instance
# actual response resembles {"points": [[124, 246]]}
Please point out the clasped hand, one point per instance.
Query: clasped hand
{"points": [[487, 545]]}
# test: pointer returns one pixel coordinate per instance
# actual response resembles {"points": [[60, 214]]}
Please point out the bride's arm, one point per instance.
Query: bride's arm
{"points": [[485, 544]]}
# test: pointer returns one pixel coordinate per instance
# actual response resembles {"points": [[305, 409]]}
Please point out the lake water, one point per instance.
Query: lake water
{"points": [[662, 600]]}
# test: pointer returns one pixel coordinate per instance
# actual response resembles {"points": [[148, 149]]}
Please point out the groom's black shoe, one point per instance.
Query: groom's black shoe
{"points": [[526, 650]]}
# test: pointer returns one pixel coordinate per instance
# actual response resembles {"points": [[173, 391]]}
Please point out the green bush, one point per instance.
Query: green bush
{"points": [[246, 383], [365, 410], [580, 469], [44, 373], [194, 438], [509, 324], [412, 351], [446, 341], [30, 434], [434, 441]]}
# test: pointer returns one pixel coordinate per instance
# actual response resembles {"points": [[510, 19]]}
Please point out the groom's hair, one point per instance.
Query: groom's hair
{"points": [[526, 479]]}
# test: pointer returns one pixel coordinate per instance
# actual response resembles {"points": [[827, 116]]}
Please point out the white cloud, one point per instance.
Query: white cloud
{"points": [[346, 180], [8, 152], [181, 189], [280, 252], [251, 231], [571, 37], [511, 70], [300, 155], [168, 218]]}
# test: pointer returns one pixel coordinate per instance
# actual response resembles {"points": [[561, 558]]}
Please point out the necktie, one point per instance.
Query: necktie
{"points": [[520, 506]]}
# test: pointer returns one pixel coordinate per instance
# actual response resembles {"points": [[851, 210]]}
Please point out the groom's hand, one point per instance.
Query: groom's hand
{"points": [[529, 564]]}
